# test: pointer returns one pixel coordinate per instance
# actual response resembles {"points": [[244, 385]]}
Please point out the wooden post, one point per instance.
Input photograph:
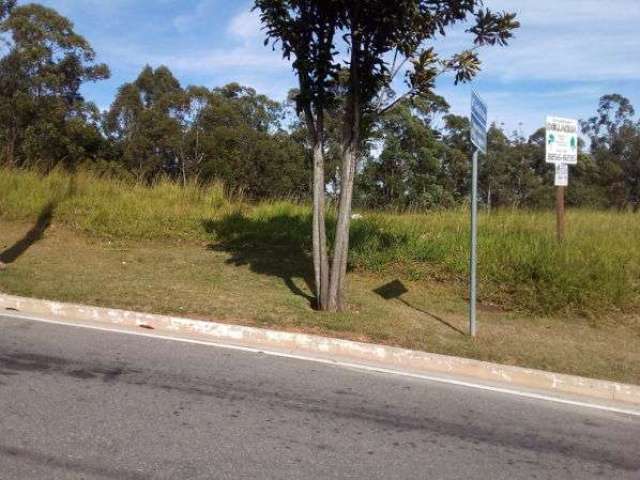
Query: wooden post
{"points": [[560, 213]]}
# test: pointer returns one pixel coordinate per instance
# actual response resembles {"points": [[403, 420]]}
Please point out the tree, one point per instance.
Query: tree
{"points": [[6, 6], [239, 136], [409, 172], [41, 108], [615, 147], [189, 152], [145, 122], [508, 176], [306, 31], [456, 156], [373, 32]]}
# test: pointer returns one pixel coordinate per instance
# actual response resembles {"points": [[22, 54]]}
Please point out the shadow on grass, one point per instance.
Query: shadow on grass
{"points": [[394, 291], [276, 246], [279, 245], [36, 233]]}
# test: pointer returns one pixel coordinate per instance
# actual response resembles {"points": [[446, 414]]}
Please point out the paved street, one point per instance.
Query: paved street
{"points": [[84, 404]]}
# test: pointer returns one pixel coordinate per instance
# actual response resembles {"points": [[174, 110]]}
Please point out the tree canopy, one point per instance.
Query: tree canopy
{"points": [[358, 48], [411, 151], [44, 117]]}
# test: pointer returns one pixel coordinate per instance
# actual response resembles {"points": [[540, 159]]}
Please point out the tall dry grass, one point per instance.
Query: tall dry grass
{"points": [[521, 266]]}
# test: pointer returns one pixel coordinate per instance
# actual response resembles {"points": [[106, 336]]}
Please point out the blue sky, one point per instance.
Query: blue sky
{"points": [[566, 55]]}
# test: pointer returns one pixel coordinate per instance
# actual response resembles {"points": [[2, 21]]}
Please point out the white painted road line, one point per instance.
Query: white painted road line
{"points": [[343, 364]]}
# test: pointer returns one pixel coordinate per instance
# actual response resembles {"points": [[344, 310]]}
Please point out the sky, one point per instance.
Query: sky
{"points": [[565, 56]]}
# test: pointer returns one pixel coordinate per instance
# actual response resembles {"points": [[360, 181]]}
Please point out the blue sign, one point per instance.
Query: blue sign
{"points": [[478, 122]]}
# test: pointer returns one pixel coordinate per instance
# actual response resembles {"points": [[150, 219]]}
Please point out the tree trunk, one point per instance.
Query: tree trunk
{"points": [[315, 126], [341, 247], [184, 170], [320, 257], [11, 147], [350, 153]]}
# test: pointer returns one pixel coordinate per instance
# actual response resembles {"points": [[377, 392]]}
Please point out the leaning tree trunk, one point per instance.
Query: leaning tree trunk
{"points": [[341, 247], [350, 154], [320, 256]]}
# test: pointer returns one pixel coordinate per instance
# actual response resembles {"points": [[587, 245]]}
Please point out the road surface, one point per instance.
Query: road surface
{"points": [[85, 404]]}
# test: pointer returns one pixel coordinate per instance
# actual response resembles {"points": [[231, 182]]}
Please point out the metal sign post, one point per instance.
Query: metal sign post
{"points": [[473, 257], [561, 150], [479, 140], [561, 182], [560, 214]]}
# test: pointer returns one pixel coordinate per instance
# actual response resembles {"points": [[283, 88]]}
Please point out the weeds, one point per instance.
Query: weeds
{"points": [[521, 266]]}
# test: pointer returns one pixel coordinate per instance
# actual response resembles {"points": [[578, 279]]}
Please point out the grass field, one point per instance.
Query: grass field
{"points": [[572, 308]]}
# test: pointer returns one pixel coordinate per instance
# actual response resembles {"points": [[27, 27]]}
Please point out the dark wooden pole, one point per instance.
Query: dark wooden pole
{"points": [[560, 213]]}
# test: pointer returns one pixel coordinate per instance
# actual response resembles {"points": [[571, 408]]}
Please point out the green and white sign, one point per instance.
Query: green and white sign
{"points": [[562, 140]]}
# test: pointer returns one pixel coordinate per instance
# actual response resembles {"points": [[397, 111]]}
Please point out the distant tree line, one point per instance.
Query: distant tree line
{"points": [[416, 158]]}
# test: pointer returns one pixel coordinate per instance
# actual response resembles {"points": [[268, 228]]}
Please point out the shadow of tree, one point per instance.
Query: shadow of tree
{"points": [[36, 233], [395, 290], [276, 246], [279, 244]]}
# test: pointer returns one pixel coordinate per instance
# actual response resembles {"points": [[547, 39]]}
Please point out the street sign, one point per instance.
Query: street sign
{"points": [[478, 122], [479, 140], [562, 150], [562, 140], [562, 175]]}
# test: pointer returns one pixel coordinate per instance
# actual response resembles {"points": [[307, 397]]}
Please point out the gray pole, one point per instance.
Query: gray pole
{"points": [[473, 260]]}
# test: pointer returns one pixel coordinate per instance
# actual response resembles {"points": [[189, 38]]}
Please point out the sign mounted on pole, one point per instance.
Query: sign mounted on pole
{"points": [[479, 141], [562, 140], [562, 150], [562, 175], [478, 122]]}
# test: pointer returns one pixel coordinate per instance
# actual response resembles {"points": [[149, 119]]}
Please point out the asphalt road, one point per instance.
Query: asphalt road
{"points": [[84, 404]]}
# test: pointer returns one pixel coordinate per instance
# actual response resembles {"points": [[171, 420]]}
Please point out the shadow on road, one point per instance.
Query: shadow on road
{"points": [[67, 466]]}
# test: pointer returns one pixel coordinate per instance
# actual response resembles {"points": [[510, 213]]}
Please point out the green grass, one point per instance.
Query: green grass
{"points": [[194, 251], [521, 266], [269, 288]]}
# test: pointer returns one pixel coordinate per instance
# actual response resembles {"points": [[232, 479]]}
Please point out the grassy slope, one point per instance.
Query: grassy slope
{"points": [[167, 250]]}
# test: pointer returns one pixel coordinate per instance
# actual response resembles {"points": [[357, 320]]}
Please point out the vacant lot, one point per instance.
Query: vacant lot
{"points": [[570, 308]]}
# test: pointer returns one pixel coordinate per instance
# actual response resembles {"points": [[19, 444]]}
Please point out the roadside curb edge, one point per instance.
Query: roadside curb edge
{"points": [[388, 357]]}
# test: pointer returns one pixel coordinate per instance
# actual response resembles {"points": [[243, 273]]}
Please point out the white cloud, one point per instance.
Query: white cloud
{"points": [[215, 60], [566, 55], [186, 21], [570, 14], [569, 40], [263, 61], [246, 25]]}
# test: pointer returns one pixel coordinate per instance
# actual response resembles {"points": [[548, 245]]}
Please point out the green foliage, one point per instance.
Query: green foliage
{"points": [[420, 167], [43, 118], [597, 269], [112, 208], [158, 129], [237, 134], [6, 6], [144, 122], [410, 172], [615, 145]]}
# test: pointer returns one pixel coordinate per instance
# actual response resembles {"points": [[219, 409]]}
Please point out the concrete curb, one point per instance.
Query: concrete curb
{"points": [[301, 344]]}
